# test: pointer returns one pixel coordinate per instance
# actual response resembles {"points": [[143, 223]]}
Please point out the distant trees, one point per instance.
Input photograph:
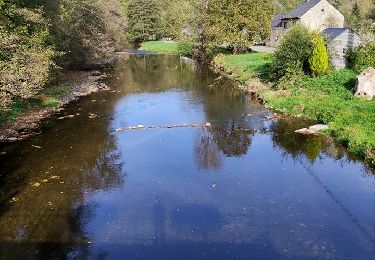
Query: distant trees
{"points": [[144, 20], [237, 23]]}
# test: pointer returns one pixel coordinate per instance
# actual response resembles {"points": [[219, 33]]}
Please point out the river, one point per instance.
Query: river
{"points": [[245, 188]]}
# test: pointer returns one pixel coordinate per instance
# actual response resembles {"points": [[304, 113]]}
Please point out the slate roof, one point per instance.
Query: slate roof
{"points": [[277, 20], [334, 32], [301, 9]]}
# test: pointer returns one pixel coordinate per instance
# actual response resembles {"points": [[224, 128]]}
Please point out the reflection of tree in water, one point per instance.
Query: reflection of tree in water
{"points": [[233, 142], [296, 145], [49, 219], [207, 153]]}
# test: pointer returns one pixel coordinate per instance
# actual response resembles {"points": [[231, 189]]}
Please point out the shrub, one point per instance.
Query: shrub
{"points": [[319, 61], [26, 57], [185, 49], [293, 53], [362, 57]]}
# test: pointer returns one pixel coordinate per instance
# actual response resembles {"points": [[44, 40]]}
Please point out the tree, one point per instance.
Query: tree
{"points": [[26, 56], [319, 60], [238, 23], [292, 55], [144, 20]]}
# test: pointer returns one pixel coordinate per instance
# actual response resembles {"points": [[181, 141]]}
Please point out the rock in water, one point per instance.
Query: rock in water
{"points": [[365, 87], [312, 130], [318, 128]]}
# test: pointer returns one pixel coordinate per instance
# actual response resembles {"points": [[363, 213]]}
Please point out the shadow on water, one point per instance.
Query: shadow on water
{"points": [[81, 190]]}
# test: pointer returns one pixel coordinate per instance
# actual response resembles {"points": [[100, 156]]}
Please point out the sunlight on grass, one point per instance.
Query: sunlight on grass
{"points": [[162, 47]]}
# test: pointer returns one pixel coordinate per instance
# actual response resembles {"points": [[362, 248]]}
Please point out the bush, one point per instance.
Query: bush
{"points": [[319, 61], [185, 49], [26, 57], [293, 54], [362, 57]]}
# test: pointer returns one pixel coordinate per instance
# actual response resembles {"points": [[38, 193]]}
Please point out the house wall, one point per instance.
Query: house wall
{"points": [[339, 47], [316, 19]]}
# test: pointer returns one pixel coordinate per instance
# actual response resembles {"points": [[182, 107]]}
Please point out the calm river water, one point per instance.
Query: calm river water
{"points": [[247, 188]]}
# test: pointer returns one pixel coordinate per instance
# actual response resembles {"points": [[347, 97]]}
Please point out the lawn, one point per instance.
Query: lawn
{"points": [[162, 47], [244, 66]]}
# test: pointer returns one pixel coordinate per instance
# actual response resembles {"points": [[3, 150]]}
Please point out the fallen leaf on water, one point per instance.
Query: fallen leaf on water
{"points": [[37, 147], [36, 184]]}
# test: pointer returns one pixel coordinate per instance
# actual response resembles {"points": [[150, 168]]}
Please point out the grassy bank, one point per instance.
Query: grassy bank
{"points": [[163, 47], [326, 99], [50, 97], [245, 66]]}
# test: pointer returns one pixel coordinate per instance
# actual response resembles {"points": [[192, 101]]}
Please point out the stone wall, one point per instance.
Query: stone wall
{"points": [[323, 16], [339, 47]]}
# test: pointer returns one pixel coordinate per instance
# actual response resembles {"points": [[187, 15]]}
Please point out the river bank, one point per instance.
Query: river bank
{"points": [[326, 99], [24, 118]]}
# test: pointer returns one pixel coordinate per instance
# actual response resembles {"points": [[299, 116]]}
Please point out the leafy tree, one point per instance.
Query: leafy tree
{"points": [[293, 53], [26, 57], [144, 20], [319, 60], [238, 23]]}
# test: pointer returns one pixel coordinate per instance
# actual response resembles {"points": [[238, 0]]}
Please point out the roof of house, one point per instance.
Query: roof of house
{"points": [[301, 9], [335, 32], [277, 20]]}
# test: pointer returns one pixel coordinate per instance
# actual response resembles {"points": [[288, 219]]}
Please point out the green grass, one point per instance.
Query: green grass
{"points": [[161, 47], [50, 97], [57, 91], [244, 66], [328, 99]]}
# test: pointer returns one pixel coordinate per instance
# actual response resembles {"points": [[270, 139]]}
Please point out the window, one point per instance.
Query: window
{"points": [[344, 50], [323, 11]]}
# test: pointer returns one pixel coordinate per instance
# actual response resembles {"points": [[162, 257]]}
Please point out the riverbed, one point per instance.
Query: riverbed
{"points": [[235, 184]]}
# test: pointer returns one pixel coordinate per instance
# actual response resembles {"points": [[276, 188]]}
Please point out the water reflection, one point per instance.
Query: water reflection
{"points": [[91, 192]]}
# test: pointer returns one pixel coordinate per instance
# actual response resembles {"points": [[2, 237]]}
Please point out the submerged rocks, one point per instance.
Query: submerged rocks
{"points": [[312, 130], [365, 87]]}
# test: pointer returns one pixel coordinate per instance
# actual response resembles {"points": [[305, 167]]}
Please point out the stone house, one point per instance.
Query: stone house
{"points": [[340, 40], [317, 15]]}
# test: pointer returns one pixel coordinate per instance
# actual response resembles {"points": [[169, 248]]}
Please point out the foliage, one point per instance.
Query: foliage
{"points": [[177, 16], [89, 31], [26, 57], [144, 20], [362, 57], [237, 24], [319, 61], [293, 53], [244, 66], [185, 49]]}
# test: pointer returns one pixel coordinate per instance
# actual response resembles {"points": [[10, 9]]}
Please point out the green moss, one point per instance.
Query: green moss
{"points": [[161, 47]]}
